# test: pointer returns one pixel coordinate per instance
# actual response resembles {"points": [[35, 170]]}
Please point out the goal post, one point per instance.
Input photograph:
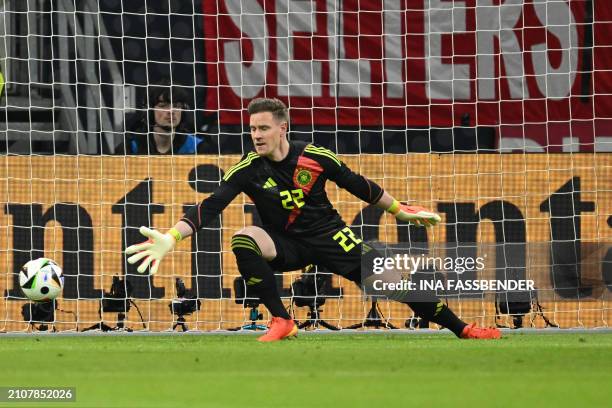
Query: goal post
{"points": [[497, 116]]}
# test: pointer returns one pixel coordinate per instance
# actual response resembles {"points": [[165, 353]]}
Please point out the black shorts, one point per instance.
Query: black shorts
{"points": [[338, 252]]}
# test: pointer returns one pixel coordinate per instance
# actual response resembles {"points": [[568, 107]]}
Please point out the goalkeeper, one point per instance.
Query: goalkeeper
{"points": [[286, 181]]}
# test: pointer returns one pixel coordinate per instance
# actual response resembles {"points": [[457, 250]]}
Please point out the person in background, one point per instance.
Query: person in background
{"points": [[164, 130]]}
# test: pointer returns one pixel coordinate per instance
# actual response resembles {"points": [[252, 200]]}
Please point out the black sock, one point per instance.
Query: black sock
{"points": [[438, 313], [257, 274]]}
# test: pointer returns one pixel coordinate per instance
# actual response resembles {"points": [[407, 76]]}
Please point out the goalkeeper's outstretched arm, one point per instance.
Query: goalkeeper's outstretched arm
{"points": [[413, 214], [158, 245], [372, 193]]}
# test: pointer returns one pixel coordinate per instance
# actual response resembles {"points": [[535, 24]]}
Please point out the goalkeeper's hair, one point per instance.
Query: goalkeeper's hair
{"points": [[272, 105]]}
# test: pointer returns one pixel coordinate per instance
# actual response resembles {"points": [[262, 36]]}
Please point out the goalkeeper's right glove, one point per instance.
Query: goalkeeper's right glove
{"points": [[414, 214], [153, 250]]}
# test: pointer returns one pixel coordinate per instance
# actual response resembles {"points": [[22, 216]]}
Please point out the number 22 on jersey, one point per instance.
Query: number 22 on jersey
{"points": [[292, 198]]}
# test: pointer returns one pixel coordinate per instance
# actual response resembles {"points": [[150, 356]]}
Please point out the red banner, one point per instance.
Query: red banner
{"points": [[400, 63]]}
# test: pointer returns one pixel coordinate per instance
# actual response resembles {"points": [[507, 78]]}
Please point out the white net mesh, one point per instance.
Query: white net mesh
{"points": [[421, 97]]}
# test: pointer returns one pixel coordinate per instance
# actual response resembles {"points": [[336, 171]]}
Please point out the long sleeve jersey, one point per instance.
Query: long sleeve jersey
{"points": [[289, 195]]}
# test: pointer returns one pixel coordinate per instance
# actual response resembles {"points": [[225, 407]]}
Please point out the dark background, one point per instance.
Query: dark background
{"points": [[152, 41], [177, 53]]}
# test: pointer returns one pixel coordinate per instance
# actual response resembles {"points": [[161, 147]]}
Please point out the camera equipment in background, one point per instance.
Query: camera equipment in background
{"points": [[310, 290], [374, 319], [119, 301], [246, 299], [40, 313], [517, 305], [185, 304]]}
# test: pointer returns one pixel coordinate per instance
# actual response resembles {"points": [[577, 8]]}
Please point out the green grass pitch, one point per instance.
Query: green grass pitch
{"points": [[380, 370]]}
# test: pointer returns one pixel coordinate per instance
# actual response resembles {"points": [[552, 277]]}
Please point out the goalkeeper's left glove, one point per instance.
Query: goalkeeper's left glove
{"points": [[154, 249], [413, 214]]}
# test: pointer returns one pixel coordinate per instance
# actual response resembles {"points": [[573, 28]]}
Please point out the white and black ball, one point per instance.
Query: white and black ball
{"points": [[41, 280]]}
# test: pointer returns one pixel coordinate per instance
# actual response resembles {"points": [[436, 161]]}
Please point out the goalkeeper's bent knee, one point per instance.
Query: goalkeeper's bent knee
{"points": [[254, 269], [257, 274]]}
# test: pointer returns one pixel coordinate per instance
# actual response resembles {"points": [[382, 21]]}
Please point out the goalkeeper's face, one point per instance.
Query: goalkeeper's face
{"points": [[267, 133]]}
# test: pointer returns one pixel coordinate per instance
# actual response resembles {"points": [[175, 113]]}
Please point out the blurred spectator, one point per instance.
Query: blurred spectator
{"points": [[165, 128]]}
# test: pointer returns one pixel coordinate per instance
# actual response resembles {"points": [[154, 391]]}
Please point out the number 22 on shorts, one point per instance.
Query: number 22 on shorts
{"points": [[345, 235]]}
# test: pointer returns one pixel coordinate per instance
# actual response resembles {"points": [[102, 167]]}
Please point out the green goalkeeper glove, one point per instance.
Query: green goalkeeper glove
{"points": [[414, 214], [153, 250]]}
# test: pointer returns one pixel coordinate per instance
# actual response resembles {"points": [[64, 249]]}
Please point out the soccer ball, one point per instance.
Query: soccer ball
{"points": [[41, 280]]}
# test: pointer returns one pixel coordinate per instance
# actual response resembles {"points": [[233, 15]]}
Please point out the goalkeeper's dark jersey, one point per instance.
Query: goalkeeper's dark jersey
{"points": [[289, 195]]}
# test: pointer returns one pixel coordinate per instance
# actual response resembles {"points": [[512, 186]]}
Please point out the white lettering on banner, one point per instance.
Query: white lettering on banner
{"points": [[332, 41], [296, 78], [510, 144], [508, 64], [603, 144], [394, 64], [246, 80], [351, 77], [570, 144], [499, 21], [444, 81], [304, 78], [354, 76], [559, 20]]}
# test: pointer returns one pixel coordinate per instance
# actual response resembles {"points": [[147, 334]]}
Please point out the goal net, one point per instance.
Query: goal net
{"points": [[497, 115]]}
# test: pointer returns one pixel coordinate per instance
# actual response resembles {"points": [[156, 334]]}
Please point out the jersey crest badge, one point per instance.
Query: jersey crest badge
{"points": [[304, 177]]}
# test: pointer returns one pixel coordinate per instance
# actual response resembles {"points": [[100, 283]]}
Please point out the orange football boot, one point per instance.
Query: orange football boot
{"points": [[471, 331], [280, 329]]}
